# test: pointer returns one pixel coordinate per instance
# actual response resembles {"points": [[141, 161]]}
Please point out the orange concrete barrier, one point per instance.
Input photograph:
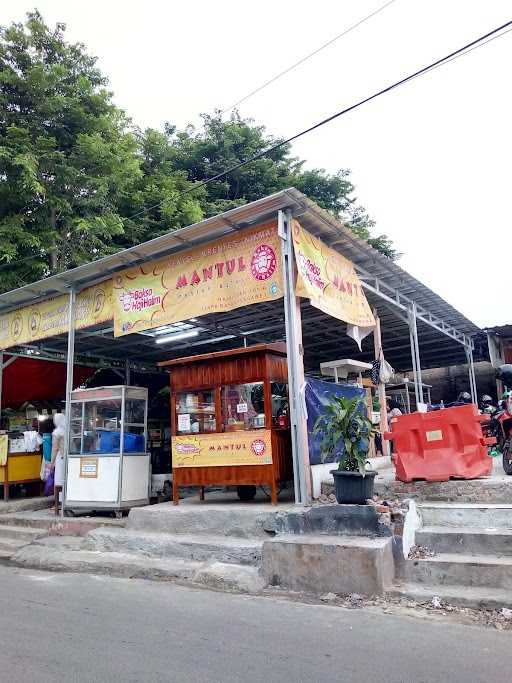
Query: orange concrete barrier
{"points": [[441, 445]]}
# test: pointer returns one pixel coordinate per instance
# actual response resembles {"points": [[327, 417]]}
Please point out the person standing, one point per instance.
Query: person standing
{"points": [[58, 445], [393, 411]]}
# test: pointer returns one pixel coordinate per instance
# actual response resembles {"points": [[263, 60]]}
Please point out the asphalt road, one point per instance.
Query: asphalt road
{"points": [[80, 628]]}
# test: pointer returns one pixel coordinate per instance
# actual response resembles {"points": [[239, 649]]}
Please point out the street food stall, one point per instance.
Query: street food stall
{"points": [[279, 268], [229, 420], [20, 448], [20, 460], [108, 462]]}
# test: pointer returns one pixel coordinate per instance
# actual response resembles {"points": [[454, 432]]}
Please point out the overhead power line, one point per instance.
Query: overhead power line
{"points": [[308, 56], [460, 52], [469, 47]]}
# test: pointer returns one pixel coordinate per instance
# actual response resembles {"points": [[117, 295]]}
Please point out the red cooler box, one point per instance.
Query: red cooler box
{"points": [[441, 445]]}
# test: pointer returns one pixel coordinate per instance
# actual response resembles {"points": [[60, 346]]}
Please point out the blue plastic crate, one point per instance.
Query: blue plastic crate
{"points": [[109, 442], [133, 443]]}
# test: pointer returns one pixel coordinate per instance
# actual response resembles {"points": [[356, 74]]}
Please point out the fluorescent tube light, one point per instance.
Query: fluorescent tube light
{"points": [[177, 336]]}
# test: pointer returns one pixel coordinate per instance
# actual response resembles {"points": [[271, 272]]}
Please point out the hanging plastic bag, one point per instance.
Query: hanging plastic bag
{"points": [[49, 486], [387, 372], [46, 468], [382, 372]]}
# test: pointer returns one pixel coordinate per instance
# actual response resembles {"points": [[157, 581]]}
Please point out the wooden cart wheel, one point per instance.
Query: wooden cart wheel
{"points": [[246, 492]]}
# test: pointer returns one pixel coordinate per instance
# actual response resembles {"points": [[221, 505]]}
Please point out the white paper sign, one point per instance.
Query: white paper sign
{"points": [[241, 408], [184, 422]]}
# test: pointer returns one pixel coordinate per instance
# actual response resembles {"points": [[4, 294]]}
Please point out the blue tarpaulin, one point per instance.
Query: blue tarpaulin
{"points": [[318, 394]]}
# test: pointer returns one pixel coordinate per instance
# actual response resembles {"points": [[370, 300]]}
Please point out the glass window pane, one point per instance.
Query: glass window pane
{"points": [[102, 425], [76, 411], [280, 407], [134, 440], [134, 411], [243, 406], [196, 412], [74, 445]]}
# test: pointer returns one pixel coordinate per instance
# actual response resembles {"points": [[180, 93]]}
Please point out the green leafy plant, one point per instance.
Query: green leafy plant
{"points": [[346, 432]]}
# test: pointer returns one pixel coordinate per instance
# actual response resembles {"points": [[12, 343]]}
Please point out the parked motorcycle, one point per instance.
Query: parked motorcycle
{"points": [[500, 427]]}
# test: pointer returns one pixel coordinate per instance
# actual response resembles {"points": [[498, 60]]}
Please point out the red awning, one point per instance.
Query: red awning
{"points": [[29, 379]]}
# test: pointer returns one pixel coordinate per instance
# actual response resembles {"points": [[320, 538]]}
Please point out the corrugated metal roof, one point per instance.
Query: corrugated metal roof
{"points": [[324, 337], [500, 330]]}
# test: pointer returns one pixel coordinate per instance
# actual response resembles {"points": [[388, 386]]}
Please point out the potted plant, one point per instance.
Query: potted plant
{"points": [[346, 432]]}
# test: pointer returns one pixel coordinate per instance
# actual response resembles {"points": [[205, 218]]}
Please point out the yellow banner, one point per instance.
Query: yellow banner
{"points": [[329, 280], [241, 269], [252, 447], [49, 318]]}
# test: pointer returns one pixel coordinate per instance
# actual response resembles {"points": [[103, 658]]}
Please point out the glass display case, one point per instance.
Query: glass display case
{"points": [[195, 412], [243, 406], [99, 419], [108, 463]]}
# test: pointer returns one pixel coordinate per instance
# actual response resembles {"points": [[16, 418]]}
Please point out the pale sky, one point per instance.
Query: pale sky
{"points": [[430, 161]]}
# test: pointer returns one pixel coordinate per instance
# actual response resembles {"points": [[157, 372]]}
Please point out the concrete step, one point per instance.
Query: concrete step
{"points": [[41, 520], [329, 564], [461, 570], [25, 504], [26, 534], [466, 540], [184, 546], [476, 597], [54, 524], [481, 516], [9, 546], [237, 520], [217, 575]]}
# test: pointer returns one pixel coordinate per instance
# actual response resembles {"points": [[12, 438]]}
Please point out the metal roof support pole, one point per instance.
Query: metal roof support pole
{"points": [[473, 373], [415, 353], [127, 372], [295, 358], [381, 387], [69, 389], [472, 378], [407, 399], [1, 379]]}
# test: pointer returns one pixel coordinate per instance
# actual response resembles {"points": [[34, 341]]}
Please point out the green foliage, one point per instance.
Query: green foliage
{"points": [[221, 144], [156, 204], [66, 153], [71, 167], [346, 432], [78, 182]]}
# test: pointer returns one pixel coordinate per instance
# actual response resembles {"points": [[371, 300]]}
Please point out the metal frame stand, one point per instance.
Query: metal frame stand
{"points": [[69, 389], [295, 354]]}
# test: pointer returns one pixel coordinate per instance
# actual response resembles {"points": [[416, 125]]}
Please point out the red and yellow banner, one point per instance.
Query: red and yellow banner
{"points": [[239, 270], [329, 280], [252, 447], [49, 318]]}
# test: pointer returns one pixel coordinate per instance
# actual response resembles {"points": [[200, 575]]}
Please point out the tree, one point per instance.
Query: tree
{"points": [[66, 154], [160, 199], [220, 144], [77, 182], [72, 170]]}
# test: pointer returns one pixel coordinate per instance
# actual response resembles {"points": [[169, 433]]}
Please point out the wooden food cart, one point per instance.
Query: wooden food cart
{"points": [[229, 420]]}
